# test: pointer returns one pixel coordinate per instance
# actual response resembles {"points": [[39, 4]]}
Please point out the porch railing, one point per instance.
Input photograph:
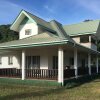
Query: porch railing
{"points": [[30, 73], [93, 69], [51, 74], [10, 72], [83, 70], [42, 73], [68, 73]]}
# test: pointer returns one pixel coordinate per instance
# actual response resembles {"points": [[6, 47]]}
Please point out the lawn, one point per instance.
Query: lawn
{"points": [[87, 88]]}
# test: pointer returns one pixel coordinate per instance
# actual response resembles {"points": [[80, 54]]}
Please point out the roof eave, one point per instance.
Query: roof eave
{"points": [[18, 17], [80, 34], [33, 45]]}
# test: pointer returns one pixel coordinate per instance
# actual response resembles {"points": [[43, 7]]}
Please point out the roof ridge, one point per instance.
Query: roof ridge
{"points": [[81, 22], [35, 16]]}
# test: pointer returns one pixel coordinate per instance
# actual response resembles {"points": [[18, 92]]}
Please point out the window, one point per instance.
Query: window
{"points": [[33, 62], [93, 40], [10, 60], [36, 61], [84, 39], [28, 61], [28, 32], [71, 61], [0, 60], [55, 62], [83, 62]]}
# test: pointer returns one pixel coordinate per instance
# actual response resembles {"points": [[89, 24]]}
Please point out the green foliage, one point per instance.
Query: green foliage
{"points": [[6, 34]]}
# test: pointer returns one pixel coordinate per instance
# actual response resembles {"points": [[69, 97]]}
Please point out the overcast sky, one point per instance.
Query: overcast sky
{"points": [[64, 11]]}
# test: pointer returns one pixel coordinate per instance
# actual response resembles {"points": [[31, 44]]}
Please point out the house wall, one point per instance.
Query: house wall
{"points": [[28, 24], [31, 26], [89, 44], [80, 57], [43, 57], [4, 60], [46, 58]]}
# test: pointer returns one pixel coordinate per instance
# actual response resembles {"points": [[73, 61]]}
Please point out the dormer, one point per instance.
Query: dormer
{"points": [[29, 25]]}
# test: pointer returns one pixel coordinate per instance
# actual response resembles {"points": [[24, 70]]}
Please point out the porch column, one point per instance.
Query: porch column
{"points": [[23, 65], [60, 66], [97, 63], [89, 63], [75, 63]]}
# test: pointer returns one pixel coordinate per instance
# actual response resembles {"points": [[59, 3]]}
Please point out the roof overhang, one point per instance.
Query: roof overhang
{"points": [[18, 20], [33, 45]]}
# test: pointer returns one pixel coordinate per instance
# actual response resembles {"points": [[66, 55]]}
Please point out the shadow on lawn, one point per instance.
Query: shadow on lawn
{"points": [[68, 85], [80, 81], [31, 94]]}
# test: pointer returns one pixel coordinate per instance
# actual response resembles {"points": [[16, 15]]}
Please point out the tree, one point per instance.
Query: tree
{"points": [[6, 34]]}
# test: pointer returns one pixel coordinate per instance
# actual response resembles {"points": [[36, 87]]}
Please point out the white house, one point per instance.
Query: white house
{"points": [[50, 50]]}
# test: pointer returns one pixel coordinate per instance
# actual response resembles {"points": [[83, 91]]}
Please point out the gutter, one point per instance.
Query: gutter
{"points": [[34, 45], [86, 48]]}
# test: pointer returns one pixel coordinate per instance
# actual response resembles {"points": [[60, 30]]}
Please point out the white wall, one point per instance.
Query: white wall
{"points": [[4, 59], [89, 44], [46, 58], [43, 56], [22, 29]]}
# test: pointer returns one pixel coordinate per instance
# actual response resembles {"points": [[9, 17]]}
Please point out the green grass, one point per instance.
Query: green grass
{"points": [[86, 88]]}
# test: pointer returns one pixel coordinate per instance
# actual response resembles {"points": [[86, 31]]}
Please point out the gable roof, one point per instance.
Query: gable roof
{"points": [[55, 27], [89, 27], [33, 18], [37, 40], [60, 31], [40, 21]]}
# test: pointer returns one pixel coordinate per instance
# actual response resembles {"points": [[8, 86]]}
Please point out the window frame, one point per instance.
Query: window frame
{"points": [[10, 60], [93, 41], [83, 39], [28, 31], [35, 61], [71, 61], [0, 60], [55, 62]]}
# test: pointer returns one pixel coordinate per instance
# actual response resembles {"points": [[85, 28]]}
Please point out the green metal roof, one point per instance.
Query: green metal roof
{"points": [[40, 21], [37, 40], [89, 27], [60, 31], [32, 18]]}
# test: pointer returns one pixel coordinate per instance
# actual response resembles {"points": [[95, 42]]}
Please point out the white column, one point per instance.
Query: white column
{"points": [[97, 63], [23, 65], [75, 63], [89, 63], [60, 66], [89, 38]]}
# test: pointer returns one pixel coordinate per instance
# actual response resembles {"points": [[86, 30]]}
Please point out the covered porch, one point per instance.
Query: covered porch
{"points": [[52, 63]]}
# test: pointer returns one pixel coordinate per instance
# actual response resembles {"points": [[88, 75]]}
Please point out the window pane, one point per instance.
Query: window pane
{"points": [[10, 60], [0, 60], [84, 39], [55, 62], [93, 41], [28, 61], [71, 61], [36, 61], [28, 32]]}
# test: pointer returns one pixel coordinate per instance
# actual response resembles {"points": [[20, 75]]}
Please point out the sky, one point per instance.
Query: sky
{"points": [[64, 11]]}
